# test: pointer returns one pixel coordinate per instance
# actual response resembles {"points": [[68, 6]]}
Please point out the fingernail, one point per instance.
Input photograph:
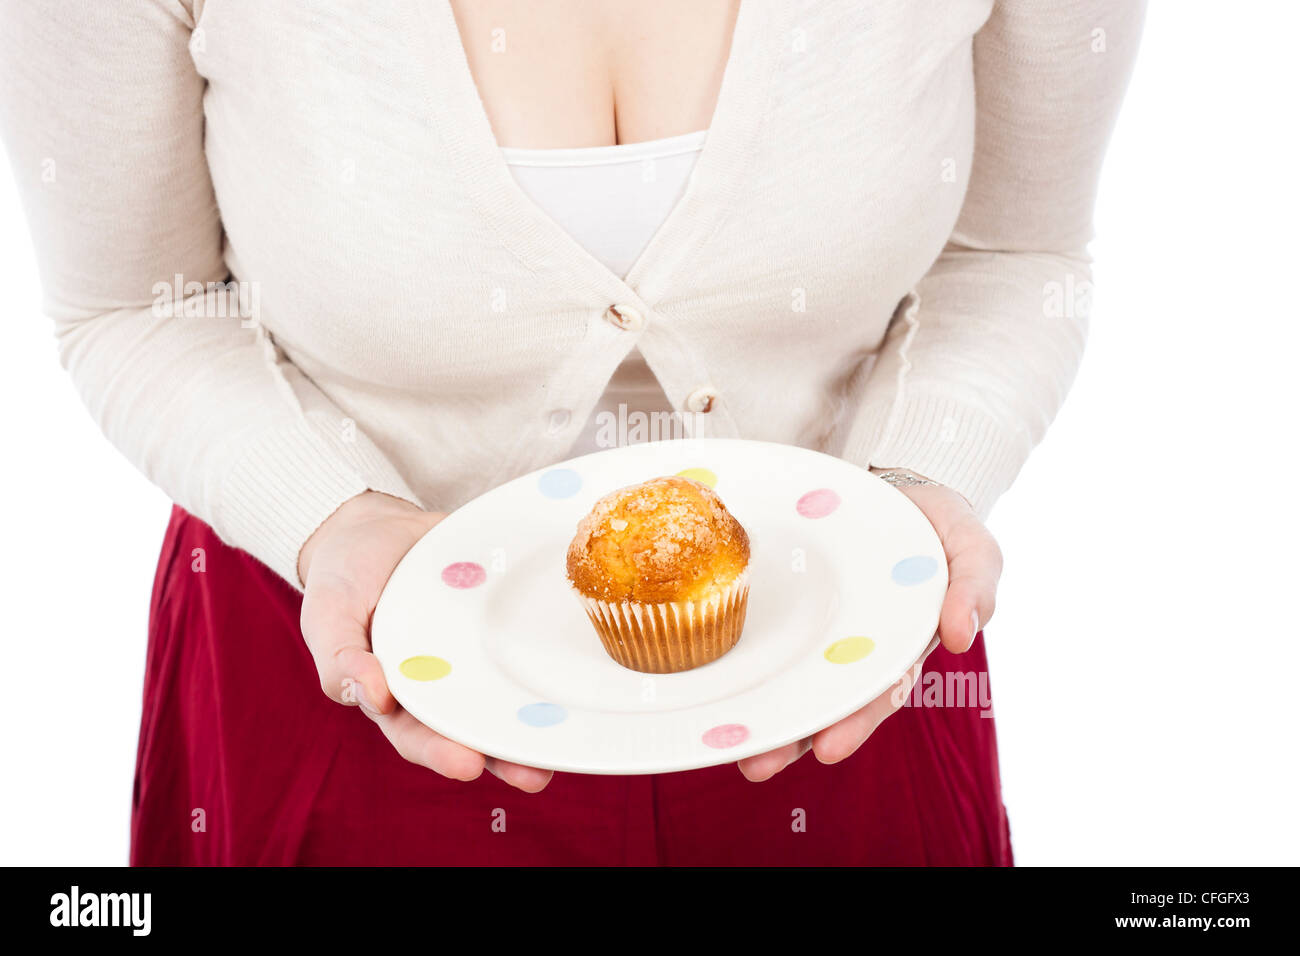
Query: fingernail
{"points": [[974, 628], [357, 690]]}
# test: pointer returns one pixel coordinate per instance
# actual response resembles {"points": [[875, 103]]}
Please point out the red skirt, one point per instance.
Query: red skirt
{"points": [[242, 760]]}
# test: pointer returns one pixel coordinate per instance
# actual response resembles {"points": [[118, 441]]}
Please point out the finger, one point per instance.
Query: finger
{"points": [[764, 766], [527, 779], [841, 739], [974, 567], [335, 625], [428, 748]]}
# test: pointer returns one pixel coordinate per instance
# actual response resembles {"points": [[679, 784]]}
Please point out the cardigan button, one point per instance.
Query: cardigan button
{"points": [[625, 317], [558, 420], [701, 400]]}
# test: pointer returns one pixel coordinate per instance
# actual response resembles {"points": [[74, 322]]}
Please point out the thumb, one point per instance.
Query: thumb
{"points": [[974, 567]]}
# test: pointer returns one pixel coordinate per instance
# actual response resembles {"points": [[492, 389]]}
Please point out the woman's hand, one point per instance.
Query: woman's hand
{"points": [[974, 566], [344, 566]]}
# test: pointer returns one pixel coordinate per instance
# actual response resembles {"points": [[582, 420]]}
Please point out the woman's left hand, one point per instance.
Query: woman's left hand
{"points": [[974, 566]]}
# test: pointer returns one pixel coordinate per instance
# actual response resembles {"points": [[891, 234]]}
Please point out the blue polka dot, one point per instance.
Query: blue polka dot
{"points": [[914, 570], [542, 715], [560, 483]]}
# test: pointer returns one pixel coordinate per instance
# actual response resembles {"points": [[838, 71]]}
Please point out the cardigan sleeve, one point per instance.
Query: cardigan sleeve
{"points": [[101, 108], [980, 355]]}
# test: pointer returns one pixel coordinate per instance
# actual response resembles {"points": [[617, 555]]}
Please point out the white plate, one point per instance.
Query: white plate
{"points": [[481, 639]]}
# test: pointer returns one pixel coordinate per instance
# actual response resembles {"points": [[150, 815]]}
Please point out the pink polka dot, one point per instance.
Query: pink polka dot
{"points": [[818, 504], [463, 574], [726, 735]]}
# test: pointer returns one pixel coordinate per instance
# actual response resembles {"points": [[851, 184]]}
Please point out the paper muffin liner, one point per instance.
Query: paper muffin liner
{"points": [[674, 635]]}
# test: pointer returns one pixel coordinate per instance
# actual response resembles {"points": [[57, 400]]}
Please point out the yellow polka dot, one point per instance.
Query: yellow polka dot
{"points": [[850, 649], [702, 475], [425, 668]]}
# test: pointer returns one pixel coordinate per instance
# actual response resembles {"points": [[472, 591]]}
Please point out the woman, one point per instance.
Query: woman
{"points": [[306, 274]]}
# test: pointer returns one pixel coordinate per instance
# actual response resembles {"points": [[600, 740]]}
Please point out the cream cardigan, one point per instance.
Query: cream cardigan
{"points": [[881, 252]]}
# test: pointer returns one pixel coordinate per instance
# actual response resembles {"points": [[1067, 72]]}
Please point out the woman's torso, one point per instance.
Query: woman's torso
{"points": [[402, 270]]}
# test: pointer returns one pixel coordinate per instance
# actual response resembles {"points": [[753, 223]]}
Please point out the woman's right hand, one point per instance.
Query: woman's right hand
{"points": [[344, 566]]}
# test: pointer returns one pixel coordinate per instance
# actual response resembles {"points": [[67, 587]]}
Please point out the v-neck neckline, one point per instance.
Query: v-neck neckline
{"points": [[537, 240]]}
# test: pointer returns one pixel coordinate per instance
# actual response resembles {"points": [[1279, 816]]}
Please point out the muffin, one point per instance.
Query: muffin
{"points": [[661, 569]]}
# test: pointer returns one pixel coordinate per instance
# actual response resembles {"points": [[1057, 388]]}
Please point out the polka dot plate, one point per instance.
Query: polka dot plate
{"points": [[482, 640]]}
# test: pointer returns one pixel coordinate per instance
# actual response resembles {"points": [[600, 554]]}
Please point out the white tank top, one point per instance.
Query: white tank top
{"points": [[611, 200]]}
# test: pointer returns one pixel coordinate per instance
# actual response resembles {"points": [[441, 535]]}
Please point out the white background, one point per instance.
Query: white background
{"points": [[1144, 652]]}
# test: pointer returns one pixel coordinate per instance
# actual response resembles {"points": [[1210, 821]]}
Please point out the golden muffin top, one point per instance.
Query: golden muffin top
{"points": [[666, 539]]}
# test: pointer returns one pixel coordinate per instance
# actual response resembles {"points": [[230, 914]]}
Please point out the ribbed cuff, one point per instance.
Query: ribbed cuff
{"points": [[288, 481], [935, 436]]}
